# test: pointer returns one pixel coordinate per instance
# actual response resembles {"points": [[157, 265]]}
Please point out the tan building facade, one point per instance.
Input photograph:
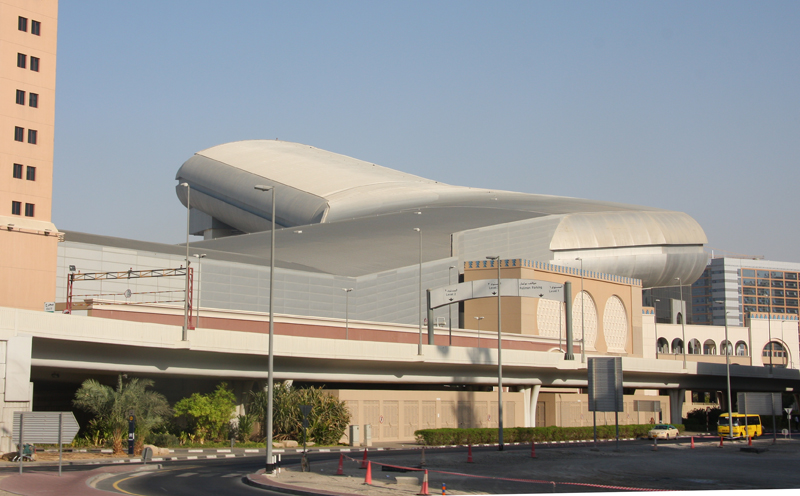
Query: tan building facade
{"points": [[28, 239]]}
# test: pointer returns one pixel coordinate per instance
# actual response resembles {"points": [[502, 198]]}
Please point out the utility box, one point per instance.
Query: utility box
{"points": [[367, 435], [355, 437]]}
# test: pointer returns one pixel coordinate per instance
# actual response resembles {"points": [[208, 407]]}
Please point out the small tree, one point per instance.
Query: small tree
{"points": [[208, 415], [327, 422], [111, 406]]}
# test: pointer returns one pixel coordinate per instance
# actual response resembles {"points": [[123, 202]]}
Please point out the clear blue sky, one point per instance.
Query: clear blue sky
{"points": [[689, 106]]}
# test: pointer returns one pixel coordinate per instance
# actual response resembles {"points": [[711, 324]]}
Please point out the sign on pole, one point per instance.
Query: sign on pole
{"points": [[605, 385], [759, 403], [42, 427]]}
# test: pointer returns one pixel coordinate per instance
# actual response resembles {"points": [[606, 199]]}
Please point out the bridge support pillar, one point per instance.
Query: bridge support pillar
{"points": [[676, 399], [530, 398]]}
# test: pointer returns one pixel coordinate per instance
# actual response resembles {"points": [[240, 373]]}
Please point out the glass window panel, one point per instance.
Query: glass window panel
{"points": [[748, 300], [776, 275], [790, 284], [30, 174], [777, 310], [748, 282], [748, 273], [36, 27], [749, 309], [777, 301], [33, 100], [763, 309], [17, 171], [790, 275], [777, 292], [22, 23], [790, 293], [35, 64], [763, 301], [777, 284], [791, 303], [763, 282], [763, 273], [792, 310], [16, 207], [20, 97], [21, 60]]}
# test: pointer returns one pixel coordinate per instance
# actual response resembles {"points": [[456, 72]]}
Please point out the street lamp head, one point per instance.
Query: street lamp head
{"points": [[199, 255], [416, 229], [497, 257], [478, 318], [347, 290], [185, 185], [262, 187]]}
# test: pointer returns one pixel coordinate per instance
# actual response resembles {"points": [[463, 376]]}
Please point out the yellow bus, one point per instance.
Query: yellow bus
{"points": [[739, 420]]}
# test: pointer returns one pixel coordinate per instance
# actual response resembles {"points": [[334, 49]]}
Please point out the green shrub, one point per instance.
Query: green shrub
{"points": [[439, 437], [162, 439]]}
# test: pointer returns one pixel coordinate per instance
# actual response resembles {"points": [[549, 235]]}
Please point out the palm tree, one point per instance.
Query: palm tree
{"points": [[111, 406]]}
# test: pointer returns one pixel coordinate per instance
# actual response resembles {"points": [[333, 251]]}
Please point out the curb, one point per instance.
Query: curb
{"points": [[250, 480], [91, 481]]}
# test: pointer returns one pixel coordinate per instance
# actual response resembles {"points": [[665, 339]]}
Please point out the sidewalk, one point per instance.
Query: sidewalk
{"points": [[37, 483]]}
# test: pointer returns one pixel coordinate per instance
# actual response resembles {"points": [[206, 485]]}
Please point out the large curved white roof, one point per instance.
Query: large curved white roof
{"points": [[316, 187]]}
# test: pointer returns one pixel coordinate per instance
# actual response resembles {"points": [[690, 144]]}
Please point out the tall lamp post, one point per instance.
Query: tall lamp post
{"points": [[728, 372], [199, 256], [583, 322], [185, 333], [347, 312], [450, 307], [419, 348], [496, 259], [479, 330], [683, 321], [270, 464], [655, 323]]}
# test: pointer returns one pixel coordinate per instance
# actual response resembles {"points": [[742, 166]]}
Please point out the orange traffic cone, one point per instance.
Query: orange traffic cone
{"points": [[341, 464], [424, 489], [749, 441], [692, 442], [364, 461], [469, 454], [368, 478], [533, 449], [720, 441]]}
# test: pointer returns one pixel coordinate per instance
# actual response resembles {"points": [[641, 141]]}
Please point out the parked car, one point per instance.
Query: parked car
{"points": [[663, 431]]}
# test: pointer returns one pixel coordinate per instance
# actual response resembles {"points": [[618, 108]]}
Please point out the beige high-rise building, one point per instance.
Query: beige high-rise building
{"points": [[28, 239]]}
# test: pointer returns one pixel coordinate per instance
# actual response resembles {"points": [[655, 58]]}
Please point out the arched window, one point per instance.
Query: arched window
{"points": [[679, 318], [726, 348], [677, 346], [709, 347], [663, 346], [693, 347], [775, 353], [741, 348]]}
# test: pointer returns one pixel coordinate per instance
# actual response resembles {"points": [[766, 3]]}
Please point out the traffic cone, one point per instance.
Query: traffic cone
{"points": [[749, 441], [533, 449], [424, 489], [341, 464], [469, 454], [444, 489], [368, 478], [364, 461], [422, 460], [720, 441], [692, 442]]}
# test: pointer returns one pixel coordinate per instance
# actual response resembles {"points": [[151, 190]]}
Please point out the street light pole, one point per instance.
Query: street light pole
{"points": [[199, 256], [185, 333], [270, 464], [683, 321], [450, 307], [655, 322], [728, 349], [500, 447], [347, 312], [479, 330], [583, 321], [419, 297]]}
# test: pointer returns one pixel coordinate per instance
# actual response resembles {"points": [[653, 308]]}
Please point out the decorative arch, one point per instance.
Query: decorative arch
{"points": [[677, 346], [589, 319], [615, 325], [662, 346], [694, 347], [779, 354], [725, 348], [709, 347], [741, 348]]}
